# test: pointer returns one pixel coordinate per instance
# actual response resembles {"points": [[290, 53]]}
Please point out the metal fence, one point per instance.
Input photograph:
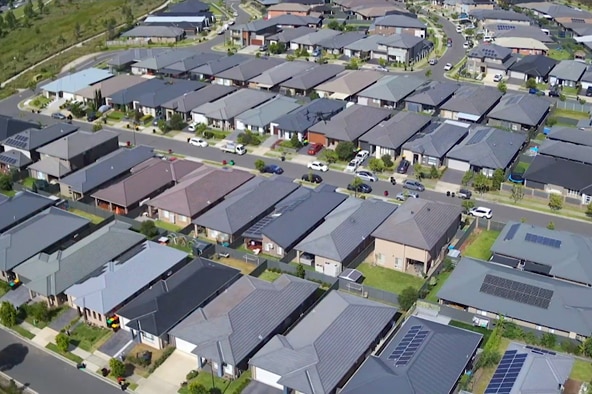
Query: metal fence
{"points": [[463, 235], [489, 225], [96, 211], [368, 292], [572, 105]]}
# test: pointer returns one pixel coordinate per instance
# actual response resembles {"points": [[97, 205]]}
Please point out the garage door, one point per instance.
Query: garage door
{"points": [[184, 346], [458, 165], [267, 377]]}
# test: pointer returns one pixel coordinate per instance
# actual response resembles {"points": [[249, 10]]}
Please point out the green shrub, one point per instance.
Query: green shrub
{"points": [[192, 375], [161, 359], [239, 389]]}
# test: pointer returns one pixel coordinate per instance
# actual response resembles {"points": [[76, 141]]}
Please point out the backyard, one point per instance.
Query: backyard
{"points": [[88, 337], [209, 381], [567, 113], [432, 295], [387, 279], [483, 376], [269, 276], [479, 244], [167, 226], [242, 265], [94, 219], [581, 371]]}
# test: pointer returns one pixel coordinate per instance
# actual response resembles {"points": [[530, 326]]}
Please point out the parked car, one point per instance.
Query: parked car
{"points": [[466, 45], [362, 155], [516, 178], [156, 120], [402, 196], [535, 91], [382, 68], [433, 61], [272, 169], [481, 212], [195, 141], [554, 91], [448, 67], [459, 29], [589, 91], [362, 188], [91, 117], [413, 185], [192, 127], [367, 176], [58, 115], [498, 77], [465, 194], [316, 53], [449, 42], [313, 149], [403, 167], [318, 166], [263, 48], [312, 178], [352, 166]]}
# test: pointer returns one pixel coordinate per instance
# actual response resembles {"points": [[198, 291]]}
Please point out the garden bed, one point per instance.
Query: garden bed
{"points": [[210, 381]]}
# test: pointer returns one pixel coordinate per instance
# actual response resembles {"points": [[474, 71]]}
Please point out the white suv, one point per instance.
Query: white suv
{"points": [[481, 212], [318, 166]]}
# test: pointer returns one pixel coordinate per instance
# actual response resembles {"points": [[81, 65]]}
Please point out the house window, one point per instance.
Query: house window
{"points": [[181, 218], [399, 262], [280, 251], [573, 193], [380, 257], [433, 161], [268, 247], [94, 314], [376, 101], [586, 198], [149, 337], [165, 214]]}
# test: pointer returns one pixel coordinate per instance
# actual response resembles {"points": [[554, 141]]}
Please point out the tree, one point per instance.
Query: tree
{"points": [[300, 272], [295, 142], [329, 155], [259, 165], [10, 20], [531, 83], [148, 228], [5, 182], [586, 347], [497, 179], [488, 358], [417, 170], [376, 165], [428, 73], [387, 160], [548, 340], [467, 205], [8, 314], [345, 150], [117, 368], [334, 25], [408, 297], [177, 122], [434, 173], [502, 87], [551, 225], [555, 201], [467, 177], [277, 48], [62, 342], [164, 126], [96, 127], [40, 6], [356, 182], [28, 10], [481, 183], [517, 193], [197, 388], [39, 311]]}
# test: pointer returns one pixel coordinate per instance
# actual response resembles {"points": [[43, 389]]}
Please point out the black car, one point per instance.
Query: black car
{"points": [[554, 91], [272, 169], [589, 91], [312, 178], [362, 188], [91, 117], [403, 167], [465, 194]]}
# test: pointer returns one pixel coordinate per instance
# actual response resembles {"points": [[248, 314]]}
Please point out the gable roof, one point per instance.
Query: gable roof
{"points": [[254, 26], [36, 234], [351, 123], [437, 141], [216, 66], [313, 77], [434, 93], [405, 41], [33, 138], [556, 10], [316, 37], [235, 323], [164, 304], [191, 62], [340, 327], [511, 30], [349, 83], [51, 274], [75, 144], [345, 228], [161, 60], [450, 347], [76, 81], [393, 88], [199, 190], [572, 135], [289, 7], [287, 35], [521, 43], [294, 20], [171, 90], [525, 109], [365, 44], [535, 65], [301, 119], [569, 174], [154, 30], [280, 73], [499, 15], [192, 100], [21, 206], [247, 204], [397, 130], [567, 151], [398, 20], [249, 69], [188, 6], [118, 280], [473, 100], [11, 126], [133, 93], [15, 159], [568, 308], [569, 70], [227, 107], [341, 40], [134, 55], [268, 112], [143, 183]]}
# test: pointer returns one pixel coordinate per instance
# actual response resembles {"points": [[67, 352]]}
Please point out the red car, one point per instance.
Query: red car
{"points": [[313, 149]]}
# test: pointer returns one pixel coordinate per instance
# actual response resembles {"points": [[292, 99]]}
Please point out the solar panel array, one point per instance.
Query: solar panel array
{"points": [[538, 239], [8, 159], [506, 27], [478, 136], [18, 141], [489, 53], [516, 291], [540, 351], [408, 346], [506, 373], [512, 232]]}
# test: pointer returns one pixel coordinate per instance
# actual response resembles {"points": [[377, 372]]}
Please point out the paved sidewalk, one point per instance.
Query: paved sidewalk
{"points": [[45, 336], [31, 328]]}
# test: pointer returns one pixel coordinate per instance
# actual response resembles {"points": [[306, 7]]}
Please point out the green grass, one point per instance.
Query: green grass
{"points": [[93, 218], [566, 113], [269, 275], [226, 386], [569, 91], [387, 279], [116, 115], [72, 357], [181, 247], [559, 54], [86, 336], [28, 182], [432, 296], [8, 193], [23, 332], [167, 226], [481, 330], [521, 167], [39, 101], [479, 244], [581, 371], [487, 373]]}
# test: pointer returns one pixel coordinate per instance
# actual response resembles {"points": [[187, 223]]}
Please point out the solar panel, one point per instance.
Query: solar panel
{"points": [[478, 136], [8, 160], [506, 373], [512, 232], [410, 343], [540, 351], [516, 291], [539, 239]]}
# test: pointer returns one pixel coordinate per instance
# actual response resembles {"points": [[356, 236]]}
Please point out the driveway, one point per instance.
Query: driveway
{"points": [[117, 343], [63, 319], [169, 375], [256, 387]]}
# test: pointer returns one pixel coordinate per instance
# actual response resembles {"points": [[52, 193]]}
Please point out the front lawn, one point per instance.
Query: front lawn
{"points": [[581, 371], [568, 113], [115, 115], [479, 244], [210, 381], [88, 337], [387, 279], [28, 182], [561, 54], [23, 332], [72, 357]]}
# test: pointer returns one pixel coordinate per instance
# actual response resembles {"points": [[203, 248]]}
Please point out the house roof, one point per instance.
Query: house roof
{"points": [[487, 147], [349, 83], [31, 139], [534, 65], [75, 144], [249, 69], [247, 204], [154, 31], [351, 123], [340, 327], [143, 183], [301, 119], [189, 7], [134, 55], [235, 323], [76, 81], [313, 77], [280, 73], [217, 66], [294, 20], [366, 44], [289, 7], [191, 62], [434, 93], [405, 41], [450, 347], [439, 140], [565, 173], [573, 135], [15, 159], [172, 89], [587, 77], [473, 100], [52, 166], [21, 206], [164, 304], [490, 51], [268, 112], [118, 280], [526, 109], [399, 20], [11, 126], [569, 70], [52, 274], [511, 30], [567, 151], [199, 190], [397, 130], [287, 35], [254, 26], [568, 306], [567, 257], [499, 15], [393, 88], [172, 18], [164, 59], [345, 228], [341, 40], [375, 10], [521, 43], [133, 93], [556, 10], [419, 223], [315, 38], [192, 100], [227, 107], [36, 234]]}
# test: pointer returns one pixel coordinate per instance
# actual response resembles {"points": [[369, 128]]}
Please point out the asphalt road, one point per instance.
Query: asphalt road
{"points": [[44, 373], [453, 54]]}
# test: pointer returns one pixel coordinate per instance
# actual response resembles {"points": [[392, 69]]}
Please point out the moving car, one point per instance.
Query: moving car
{"points": [[481, 212], [403, 167], [313, 149], [448, 67], [58, 115], [413, 185], [352, 166], [195, 141], [367, 176], [318, 166], [465, 194], [362, 188], [312, 178], [362, 155], [272, 169], [498, 77]]}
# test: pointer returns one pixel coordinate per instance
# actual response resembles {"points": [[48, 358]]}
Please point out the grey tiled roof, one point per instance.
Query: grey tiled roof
{"points": [[217, 66], [316, 37], [393, 88], [340, 41], [569, 70], [573, 135], [351, 123], [281, 73], [498, 15], [434, 93], [397, 130], [192, 100], [21, 206], [76, 143], [134, 55], [34, 138], [154, 31], [399, 21], [312, 78], [301, 119], [287, 35], [490, 51], [239, 320], [161, 60], [11, 126], [473, 100], [366, 44], [294, 20], [227, 107], [268, 112], [522, 31], [350, 82], [534, 65], [15, 159], [191, 62], [548, 170], [171, 90], [405, 41], [525, 109], [438, 141], [133, 93], [249, 69]]}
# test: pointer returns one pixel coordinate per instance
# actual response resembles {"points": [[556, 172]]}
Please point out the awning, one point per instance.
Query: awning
{"points": [[471, 117], [339, 96]]}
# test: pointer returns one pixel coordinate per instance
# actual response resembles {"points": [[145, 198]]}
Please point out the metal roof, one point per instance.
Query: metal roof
{"points": [[397, 130], [74, 144], [525, 109], [351, 123], [393, 88], [227, 107], [268, 112], [569, 174], [567, 151], [572, 135], [21, 206], [438, 141], [76, 81], [34, 138]]}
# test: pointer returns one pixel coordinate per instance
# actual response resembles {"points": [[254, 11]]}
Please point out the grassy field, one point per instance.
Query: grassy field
{"points": [[93, 218], [581, 371], [479, 244], [387, 279]]}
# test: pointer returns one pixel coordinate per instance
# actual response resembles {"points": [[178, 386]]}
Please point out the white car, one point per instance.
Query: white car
{"points": [[404, 196], [367, 176], [231, 22], [192, 127], [466, 45], [318, 166], [448, 67], [498, 77], [198, 142], [459, 29], [481, 212], [352, 166], [362, 155]]}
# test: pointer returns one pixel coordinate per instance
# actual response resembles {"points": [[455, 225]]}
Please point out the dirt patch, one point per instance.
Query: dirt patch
{"points": [[474, 235], [572, 387]]}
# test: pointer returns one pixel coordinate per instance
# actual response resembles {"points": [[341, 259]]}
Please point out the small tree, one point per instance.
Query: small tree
{"points": [[467, 177], [387, 160], [517, 193], [548, 340], [376, 165], [586, 347], [481, 183], [356, 182], [177, 122], [197, 388], [334, 25], [148, 228], [164, 126], [467, 205], [531, 83], [345, 150], [502, 87], [555, 201], [5, 182], [295, 142], [62, 342], [8, 314], [39, 311], [497, 179], [408, 297], [417, 170], [551, 225], [259, 165], [117, 368], [300, 272], [434, 173], [96, 127], [329, 155]]}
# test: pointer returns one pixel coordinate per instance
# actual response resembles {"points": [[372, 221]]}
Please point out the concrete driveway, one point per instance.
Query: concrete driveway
{"points": [[168, 377]]}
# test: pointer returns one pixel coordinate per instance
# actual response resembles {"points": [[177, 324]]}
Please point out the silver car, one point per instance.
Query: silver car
{"points": [[366, 175]]}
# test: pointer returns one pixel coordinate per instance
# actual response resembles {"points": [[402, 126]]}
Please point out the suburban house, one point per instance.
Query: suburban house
{"points": [[151, 103], [489, 59], [310, 41], [567, 73], [374, 9], [109, 168], [300, 120], [211, 68], [404, 360], [586, 80], [402, 48], [190, 24], [292, 219], [387, 137], [485, 150], [485, 17], [194, 194], [523, 45], [270, 79], [108, 87], [123, 99], [182, 68], [66, 87], [537, 67], [430, 147], [348, 84], [156, 310], [240, 74], [304, 83], [260, 118], [390, 91], [430, 97], [334, 45], [20, 207], [570, 135], [185, 104], [11, 126], [470, 103], [252, 33], [72, 152], [465, 6], [415, 238], [399, 24], [287, 35], [152, 65], [287, 9], [507, 30], [289, 21], [231, 328], [242, 208], [98, 297], [365, 48], [221, 113], [147, 180], [519, 112], [341, 327], [344, 236], [145, 34], [548, 305], [122, 61], [48, 275], [348, 125]]}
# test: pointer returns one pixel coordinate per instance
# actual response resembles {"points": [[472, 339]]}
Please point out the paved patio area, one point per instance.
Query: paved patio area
{"points": [[63, 319]]}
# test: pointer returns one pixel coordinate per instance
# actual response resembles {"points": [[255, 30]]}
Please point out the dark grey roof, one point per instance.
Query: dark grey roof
{"points": [[269, 111], [398, 20], [568, 134], [486, 147], [227, 107], [192, 100], [287, 35], [448, 347], [397, 130], [301, 119], [34, 138], [568, 308], [525, 109], [557, 10], [393, 88], [11, 126], [75, 144], [567, 151], [107, 168], [501, 30], [164, 59], [534, 65], [351, 123], [249, 69], [154, 31], [236, 322], [172, 89], [294, 20], [21, 206], [434, 93], [134, 55], [254, 26], [247, 204], [326, 344], [36, 234], [281, 73], [569, 174], [499, 15], [473, 100], [405, 41], [569, 70], [313, 77], [188, 7], [341, 40], [439, 140], [316, 37], [490, 51], [345, 228], [15, 159], [159, 308], [366, 44], [192, 62], [133, 93]]}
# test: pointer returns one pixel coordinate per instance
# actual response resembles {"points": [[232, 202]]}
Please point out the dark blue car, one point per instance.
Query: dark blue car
{"points": [[272, 169]]}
